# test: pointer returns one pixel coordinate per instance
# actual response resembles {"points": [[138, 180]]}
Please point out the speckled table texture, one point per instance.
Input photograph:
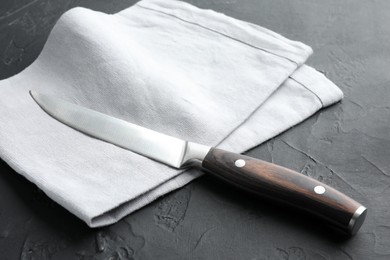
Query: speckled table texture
{"points": [[346, 145]]}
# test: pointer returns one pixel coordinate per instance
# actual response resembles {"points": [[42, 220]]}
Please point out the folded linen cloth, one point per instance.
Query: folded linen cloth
{"points": [[166, 65]]}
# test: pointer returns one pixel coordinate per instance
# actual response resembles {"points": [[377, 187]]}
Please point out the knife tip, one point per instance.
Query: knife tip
{"points": [[33, 94], [36, 97]]}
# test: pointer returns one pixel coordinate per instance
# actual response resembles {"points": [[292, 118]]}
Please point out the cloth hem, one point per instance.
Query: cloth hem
{"points": [[316, 82], [246, 33]]}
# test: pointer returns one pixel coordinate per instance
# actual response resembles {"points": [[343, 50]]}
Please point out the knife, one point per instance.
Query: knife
{"points": [[262, 178]]}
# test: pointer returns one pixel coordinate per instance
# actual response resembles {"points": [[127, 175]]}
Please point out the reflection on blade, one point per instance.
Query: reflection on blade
{"points": [[152, 144]]}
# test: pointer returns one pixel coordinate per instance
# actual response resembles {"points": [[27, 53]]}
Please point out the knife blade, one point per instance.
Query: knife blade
{"points": [[262, 178]]}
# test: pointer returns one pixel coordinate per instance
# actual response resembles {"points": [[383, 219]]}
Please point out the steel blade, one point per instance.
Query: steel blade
{"points": [[163, 148]]}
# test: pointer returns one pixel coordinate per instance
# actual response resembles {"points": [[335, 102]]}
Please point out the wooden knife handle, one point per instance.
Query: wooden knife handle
{"points": [[282, 184]]}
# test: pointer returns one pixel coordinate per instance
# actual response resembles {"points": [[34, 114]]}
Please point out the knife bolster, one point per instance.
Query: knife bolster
{"points": [[193, 152], [281, 184]]}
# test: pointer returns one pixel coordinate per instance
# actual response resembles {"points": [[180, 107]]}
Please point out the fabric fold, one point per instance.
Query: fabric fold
{"points": [[166, 65]]}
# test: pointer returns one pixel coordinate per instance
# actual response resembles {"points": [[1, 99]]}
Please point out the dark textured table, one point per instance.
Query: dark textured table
{"points": [[346, 145]]}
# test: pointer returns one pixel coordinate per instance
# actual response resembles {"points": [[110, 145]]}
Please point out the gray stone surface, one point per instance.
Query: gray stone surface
{"points": [[346, 146]]}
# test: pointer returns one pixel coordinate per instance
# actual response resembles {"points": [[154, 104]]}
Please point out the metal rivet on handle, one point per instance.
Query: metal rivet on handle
{"points": [[319, 189], [239, 163]]}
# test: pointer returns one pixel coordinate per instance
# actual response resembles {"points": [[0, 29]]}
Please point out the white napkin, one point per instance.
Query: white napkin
{"points": [[166, 65]]}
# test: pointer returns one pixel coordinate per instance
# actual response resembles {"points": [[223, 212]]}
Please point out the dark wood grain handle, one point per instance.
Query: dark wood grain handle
{"points": [[282, 184]]}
